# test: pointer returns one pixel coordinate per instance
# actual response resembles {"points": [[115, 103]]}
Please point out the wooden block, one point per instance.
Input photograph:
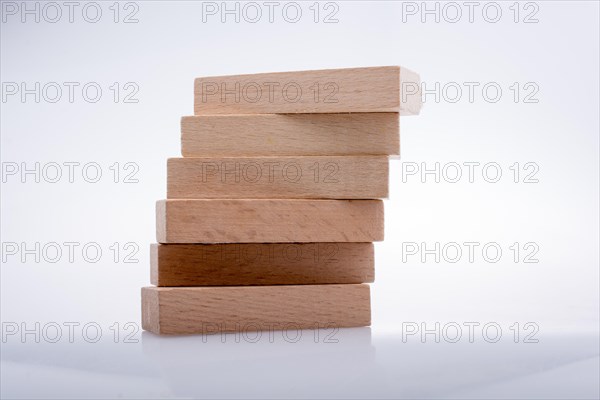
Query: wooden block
{"points": [[261, 264], [373, 89], [290, 135], [209, 310], [268, 221], [311, 177]]}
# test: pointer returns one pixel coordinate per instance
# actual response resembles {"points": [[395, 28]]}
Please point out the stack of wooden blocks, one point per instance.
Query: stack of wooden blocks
{"points": [[271, 213]]}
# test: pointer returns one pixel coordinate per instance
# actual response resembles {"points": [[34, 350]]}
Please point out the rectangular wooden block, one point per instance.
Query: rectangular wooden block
{"points": [[268, 221], [372, 89], [209, 310], [310, 177], [290, 135], [261, 264]]}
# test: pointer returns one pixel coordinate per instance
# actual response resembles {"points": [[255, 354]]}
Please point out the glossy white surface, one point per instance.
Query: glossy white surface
{"points": [[359, 365]]}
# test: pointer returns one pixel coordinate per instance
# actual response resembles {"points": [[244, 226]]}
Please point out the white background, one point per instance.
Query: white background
{"points": [[170, 45]]}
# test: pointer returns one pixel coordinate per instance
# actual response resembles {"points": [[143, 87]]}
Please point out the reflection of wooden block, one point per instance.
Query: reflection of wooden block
{"points": [[268, 221], [290, 135], [351, 177], [207, 310], [373, 89], [261, 264]]}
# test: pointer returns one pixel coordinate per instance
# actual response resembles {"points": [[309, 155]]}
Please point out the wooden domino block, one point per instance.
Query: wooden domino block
{"points": [[311, 177], [290, 135], [373, 89], [268, 221], [209, 310], [261, 264]]}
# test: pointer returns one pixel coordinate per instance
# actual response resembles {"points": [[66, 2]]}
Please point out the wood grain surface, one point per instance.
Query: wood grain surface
{"points": [[310, 177], [241, 264], [372, 89], [290, 135], [268, 221], [210, 310]]}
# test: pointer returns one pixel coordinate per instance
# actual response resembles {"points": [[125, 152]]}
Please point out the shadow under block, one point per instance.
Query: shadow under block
{"points": [[290, 135], [371, 89], [239, 264], [268, 221], [209, 310], [310, 177]]}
